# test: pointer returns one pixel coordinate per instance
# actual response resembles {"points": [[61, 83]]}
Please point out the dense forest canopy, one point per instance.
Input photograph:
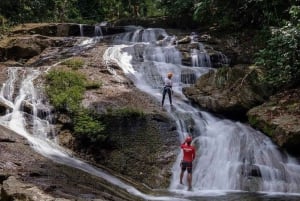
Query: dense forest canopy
{"points": [[278, 20], [241, 12]]}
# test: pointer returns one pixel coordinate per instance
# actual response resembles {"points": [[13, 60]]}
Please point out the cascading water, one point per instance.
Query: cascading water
{"points": [[81, 29], [231, 156], [200, 57], [229, 153], [98, 31], [39, 132]]}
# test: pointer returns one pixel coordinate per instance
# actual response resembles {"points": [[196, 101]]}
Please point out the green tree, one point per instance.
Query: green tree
{"points": [[65, 10], [281, 57], [91, 10], [256, 13], [178, 8], [22, 11]]}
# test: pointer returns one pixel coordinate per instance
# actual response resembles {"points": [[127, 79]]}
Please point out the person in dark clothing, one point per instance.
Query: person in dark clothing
{"points": [[167, 88]]}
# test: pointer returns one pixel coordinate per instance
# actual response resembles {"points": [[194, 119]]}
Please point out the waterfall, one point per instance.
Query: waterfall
{"points": [[38, 130], [231, 156]]}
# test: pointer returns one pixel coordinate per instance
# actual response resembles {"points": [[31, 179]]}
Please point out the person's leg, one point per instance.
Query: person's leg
{"points": [[163, 97], [189, 178], [170, 95], [181, 176], [183, 168]]}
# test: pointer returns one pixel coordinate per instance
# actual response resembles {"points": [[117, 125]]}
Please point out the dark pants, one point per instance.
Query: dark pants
{"points": [[186, 166], [169, 91]]}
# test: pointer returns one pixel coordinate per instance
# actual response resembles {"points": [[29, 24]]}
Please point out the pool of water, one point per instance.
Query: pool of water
{"points": [[236, 196]]}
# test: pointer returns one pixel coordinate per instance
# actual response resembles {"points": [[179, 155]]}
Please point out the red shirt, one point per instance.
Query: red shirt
{"points": [[189, 152]]}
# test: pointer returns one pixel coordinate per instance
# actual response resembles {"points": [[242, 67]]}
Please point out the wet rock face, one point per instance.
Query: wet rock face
{"points": [[27, 175], [66, 29], [30, 40], [145, 148], [25, 47], [3, 109], [228, 91], [13, 189], [141, 148], [279, 118]]}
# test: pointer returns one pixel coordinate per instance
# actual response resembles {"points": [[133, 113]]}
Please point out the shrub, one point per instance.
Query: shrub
{"points": [[281, 57], [65, 89], [85, 124]]}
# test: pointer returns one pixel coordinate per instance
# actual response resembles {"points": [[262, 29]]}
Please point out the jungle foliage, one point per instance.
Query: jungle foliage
{"points": [[79, 11], [281, 56], [224, 13]]}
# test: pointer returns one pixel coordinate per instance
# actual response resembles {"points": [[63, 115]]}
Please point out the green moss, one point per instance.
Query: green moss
{"points": [[293, 107], [74, 63], [264, 127], [253, 120], [128, 112], [268, 129], [93, 85]]}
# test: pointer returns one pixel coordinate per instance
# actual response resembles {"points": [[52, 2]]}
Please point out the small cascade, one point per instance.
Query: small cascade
{"points": [[7, 91], [138, 34], [162, 54], [201, 58], [81, 29], [98, 31]]}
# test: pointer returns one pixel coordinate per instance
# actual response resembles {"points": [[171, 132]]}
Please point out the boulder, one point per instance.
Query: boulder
{"points": [[4, 106], [23, 48], [228, 91], [14, 189], [279, 118]]}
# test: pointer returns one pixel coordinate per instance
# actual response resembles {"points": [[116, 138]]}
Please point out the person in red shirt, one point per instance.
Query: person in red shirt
{"points": [[189, 154]]}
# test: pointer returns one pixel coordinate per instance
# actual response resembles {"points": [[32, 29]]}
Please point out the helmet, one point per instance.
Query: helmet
{"points": [[170, 74], [188, 139]]}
